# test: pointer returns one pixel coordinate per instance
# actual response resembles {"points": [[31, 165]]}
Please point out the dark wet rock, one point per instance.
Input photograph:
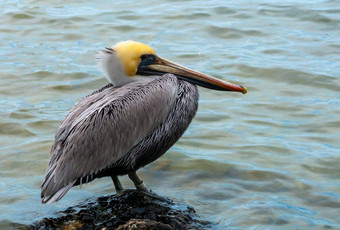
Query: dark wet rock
{"points": [[133, 210], [144, 225]]}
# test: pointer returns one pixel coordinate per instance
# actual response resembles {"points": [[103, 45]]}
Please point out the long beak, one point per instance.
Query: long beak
{"points": [[162, 65]]}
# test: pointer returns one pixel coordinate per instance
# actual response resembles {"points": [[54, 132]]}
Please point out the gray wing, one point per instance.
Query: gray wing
{"points": [[102, 128]]}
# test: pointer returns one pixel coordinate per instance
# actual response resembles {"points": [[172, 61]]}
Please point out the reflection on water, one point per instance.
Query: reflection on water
{"points": [[268, 159]]}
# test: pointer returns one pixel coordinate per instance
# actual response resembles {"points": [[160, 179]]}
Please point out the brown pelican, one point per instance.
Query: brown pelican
{"points": [[128, 123]]}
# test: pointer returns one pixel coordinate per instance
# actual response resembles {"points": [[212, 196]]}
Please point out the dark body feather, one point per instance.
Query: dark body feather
{"points": [[116, 130]]}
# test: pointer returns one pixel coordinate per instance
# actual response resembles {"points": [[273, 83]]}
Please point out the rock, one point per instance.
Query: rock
{"points": [[146, 224], [133, 210]]}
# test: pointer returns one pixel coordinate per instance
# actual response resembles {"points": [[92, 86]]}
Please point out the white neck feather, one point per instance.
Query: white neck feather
{"points": [[110, 64]]}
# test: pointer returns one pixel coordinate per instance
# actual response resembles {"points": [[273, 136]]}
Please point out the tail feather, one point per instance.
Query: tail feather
{"points": [[51, 189], [48, 178], [56, 196]]}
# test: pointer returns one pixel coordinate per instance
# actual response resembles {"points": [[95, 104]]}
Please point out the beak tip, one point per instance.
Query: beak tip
{"points": [[244, 91]]}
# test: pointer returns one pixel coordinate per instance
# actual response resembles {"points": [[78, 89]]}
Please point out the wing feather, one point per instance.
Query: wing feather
{"points": [[103, 127]]}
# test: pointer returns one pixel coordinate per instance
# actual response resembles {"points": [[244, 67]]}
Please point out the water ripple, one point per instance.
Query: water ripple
{"points": [[268, 159]]}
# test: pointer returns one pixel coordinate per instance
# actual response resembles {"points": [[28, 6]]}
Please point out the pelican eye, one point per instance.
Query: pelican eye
{"points": [[147, 59]]}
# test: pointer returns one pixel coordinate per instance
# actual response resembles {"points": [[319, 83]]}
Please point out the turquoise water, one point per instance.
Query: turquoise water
{"points": [[265, 160]]}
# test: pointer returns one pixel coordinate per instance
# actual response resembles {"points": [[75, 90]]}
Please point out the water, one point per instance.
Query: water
{"points": [[267, 159]]}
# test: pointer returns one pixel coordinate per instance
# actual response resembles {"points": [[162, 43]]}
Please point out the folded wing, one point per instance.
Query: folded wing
{"points": [[102, 128]]}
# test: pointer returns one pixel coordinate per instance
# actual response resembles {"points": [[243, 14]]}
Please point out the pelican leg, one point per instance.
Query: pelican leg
{"points": [[137, 181], [118, 186], [141, 187]]}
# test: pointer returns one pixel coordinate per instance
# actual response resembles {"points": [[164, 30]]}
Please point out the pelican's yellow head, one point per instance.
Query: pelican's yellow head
{"points": [[129, 58], [130, 53]]}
